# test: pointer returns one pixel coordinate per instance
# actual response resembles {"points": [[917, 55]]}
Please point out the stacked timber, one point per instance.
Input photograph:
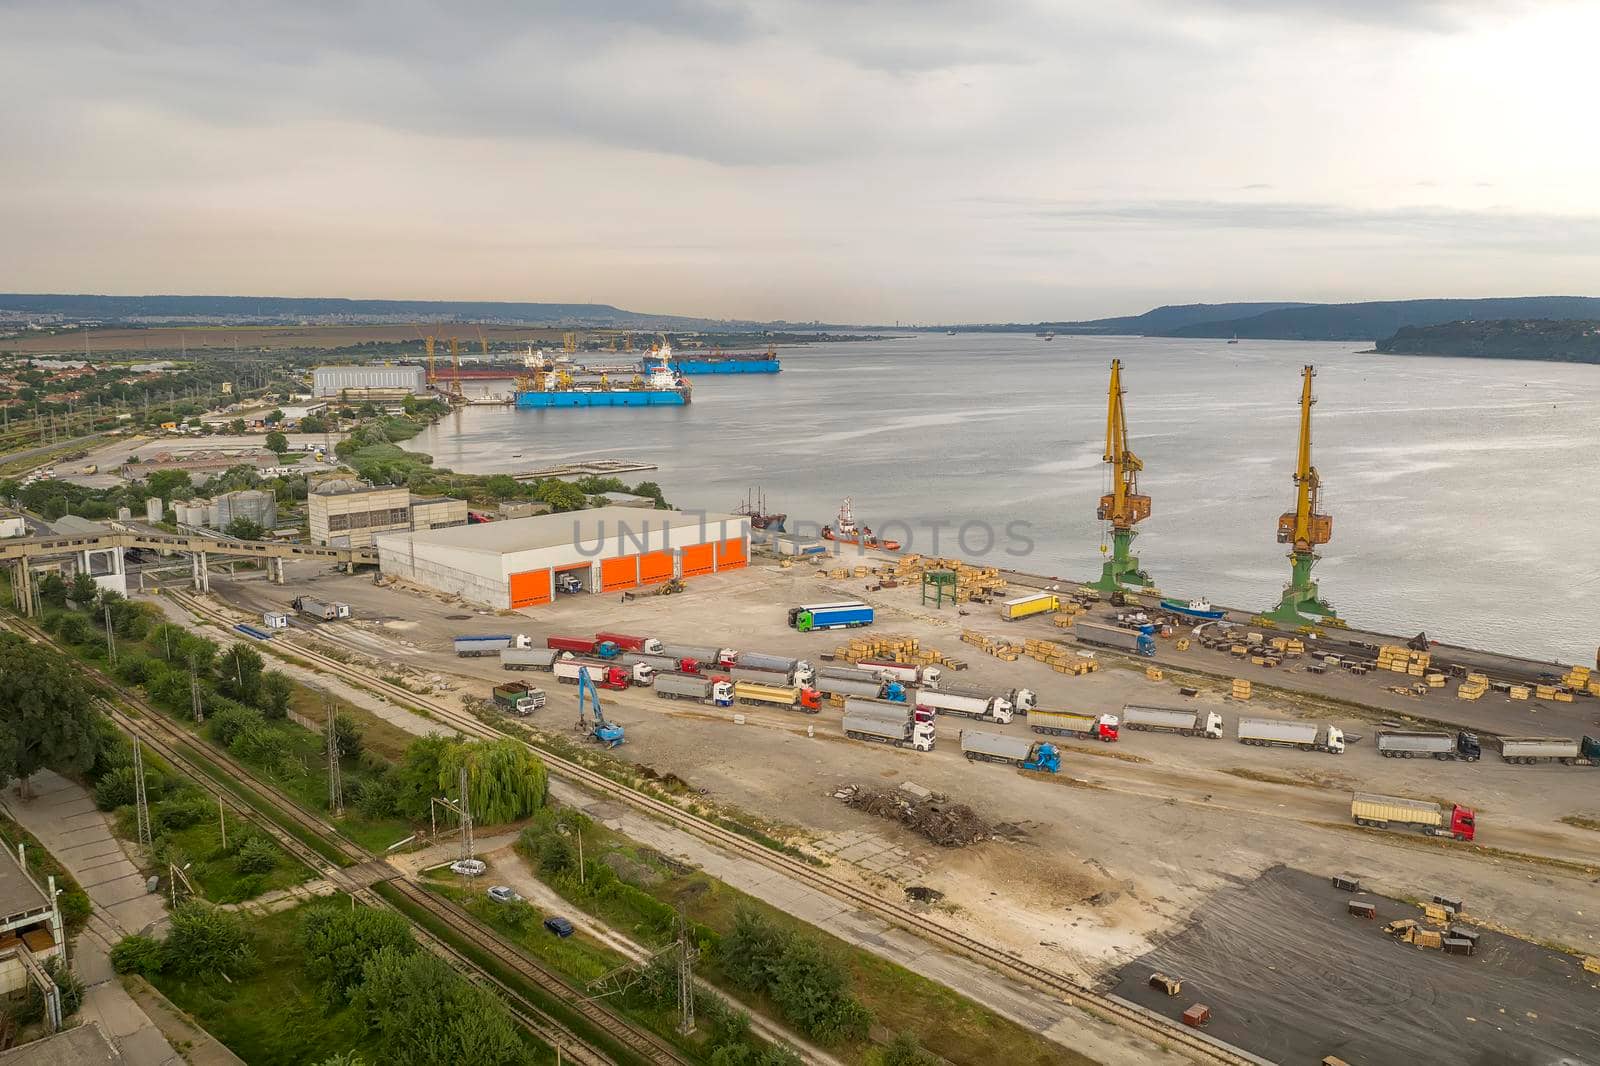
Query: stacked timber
{"points": [[1401, 660], [1241, 689]]}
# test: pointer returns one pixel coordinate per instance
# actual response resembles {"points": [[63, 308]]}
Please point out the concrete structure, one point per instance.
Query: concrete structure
{"points": [[520, 509], [624, 499], [348, 514], [152, 510], [258, 505], [29, 919], [293, 415], [518, 563], [337, 380], [104, 564], [437, 512], [82, 1045], [13, 526]]}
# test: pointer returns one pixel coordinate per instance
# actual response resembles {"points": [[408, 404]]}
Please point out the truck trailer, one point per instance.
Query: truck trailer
{"points": [[905, 673], [1428, 743], [864, 705], [883, 725], [995, 709], [647, 645], [1026, 606], [691, 687], [661, 664], [529, 658], [1369, 808], [791, 697], [802, 671], [846, 672], [1528, 750], [1133, 640], [468, 647], [317, 609], [1173, 720], [1308, 736], [1071, 724], [518, 698], [847, 614], [1021, 699], [1018, 751], [869, 689], [604, 675], [703, 655]]}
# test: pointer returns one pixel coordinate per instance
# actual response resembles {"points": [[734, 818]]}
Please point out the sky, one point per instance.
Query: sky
{"points": [[932, 161]]}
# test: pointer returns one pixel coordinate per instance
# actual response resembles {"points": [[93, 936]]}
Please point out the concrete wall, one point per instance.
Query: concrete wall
{"points": [[394, 557], [352, 519], [437, 513]]}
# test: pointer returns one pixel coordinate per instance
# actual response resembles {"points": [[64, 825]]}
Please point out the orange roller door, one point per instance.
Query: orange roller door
{"points": [[699, 559], [655, 567], [530, 589], [620, 573], [730, 554]]}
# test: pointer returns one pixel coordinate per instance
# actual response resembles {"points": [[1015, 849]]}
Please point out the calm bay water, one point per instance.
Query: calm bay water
{"points": [[1465, 493]]}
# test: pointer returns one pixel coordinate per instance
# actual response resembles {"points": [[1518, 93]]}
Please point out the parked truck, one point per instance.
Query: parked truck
{"points": [[1428, 743], [705, 656], [1134, 640], [995, 709], [647, 645], [1565, 750], [470, 646], [661, 664], [604, 675], [317, 609], [870, 688], [584, 646], [529, 658], [1173, 720], [886, 723], [847, 614], [905, 673], [518, 698], [1456, 821], [691, 687], [792, 697], [799, 669], [1025, 606], [1021, 699], [1102, 727], [1018, 751], [1308, 736]]}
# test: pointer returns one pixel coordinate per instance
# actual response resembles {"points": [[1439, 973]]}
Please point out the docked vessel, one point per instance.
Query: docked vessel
{"points": [[1200, 608], [729, 363], [558, 384], [845, 531], [754, 508]]}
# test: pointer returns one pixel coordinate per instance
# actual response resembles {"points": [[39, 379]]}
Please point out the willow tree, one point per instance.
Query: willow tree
{"points": [[505, 780]]}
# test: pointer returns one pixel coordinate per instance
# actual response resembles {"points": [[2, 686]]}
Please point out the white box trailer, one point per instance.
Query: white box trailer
{"points": [[985, 708], [1189, 723], [529, 658], [1308, 736]]}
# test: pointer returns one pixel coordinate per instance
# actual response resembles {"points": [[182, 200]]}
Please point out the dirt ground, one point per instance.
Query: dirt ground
{"points": [[1289, 975], [1119, 852]]}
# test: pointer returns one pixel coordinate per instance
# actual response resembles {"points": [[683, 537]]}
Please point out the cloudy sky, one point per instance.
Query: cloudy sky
{"points": [[858, 161]]}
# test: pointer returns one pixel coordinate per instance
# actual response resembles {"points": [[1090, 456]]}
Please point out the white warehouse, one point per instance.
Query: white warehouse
{"points": [[524, 562]]}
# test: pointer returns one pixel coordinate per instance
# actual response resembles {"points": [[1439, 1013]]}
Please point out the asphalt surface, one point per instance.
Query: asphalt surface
{"points": [[1290, 976]]}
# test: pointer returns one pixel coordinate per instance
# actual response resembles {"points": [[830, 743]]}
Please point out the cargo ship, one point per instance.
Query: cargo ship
{"points": [[729, 363], [754, 508], [845, 531], [552, 384]]}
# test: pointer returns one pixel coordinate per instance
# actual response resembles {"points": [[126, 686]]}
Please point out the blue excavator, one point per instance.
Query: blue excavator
{"points": [[594, 725]]}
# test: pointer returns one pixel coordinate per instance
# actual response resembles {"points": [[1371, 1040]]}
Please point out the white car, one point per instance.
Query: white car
{"points": [[503, 894]]}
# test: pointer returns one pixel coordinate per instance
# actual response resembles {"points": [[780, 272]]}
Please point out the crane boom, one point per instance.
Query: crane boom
{"points": [[1123, 506], [1303, 529]]}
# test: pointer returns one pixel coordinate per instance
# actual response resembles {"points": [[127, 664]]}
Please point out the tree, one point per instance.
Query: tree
{"points": [[169, 483], [313, 424], [276, 692], [273, 418], [204, 940], [53, 591], [83, 590], [346, 736], [652, 490], [505, 779], [424, 1013], [276, 441], [560, 495], [46, 719], [416, 776], [338, 941], [237, 427], [240, 669], [243, 528]]}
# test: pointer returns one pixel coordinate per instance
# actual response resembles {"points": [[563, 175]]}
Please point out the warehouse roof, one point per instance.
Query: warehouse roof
{"points": [[574, 527], [20, 895]]}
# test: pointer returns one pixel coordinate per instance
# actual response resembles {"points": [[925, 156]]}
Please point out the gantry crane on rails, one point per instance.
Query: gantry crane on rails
{"points": [[1303, 529], [1123, 506]]}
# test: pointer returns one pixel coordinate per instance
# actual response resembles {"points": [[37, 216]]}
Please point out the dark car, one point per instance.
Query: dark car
{"points": [[558, 925]]}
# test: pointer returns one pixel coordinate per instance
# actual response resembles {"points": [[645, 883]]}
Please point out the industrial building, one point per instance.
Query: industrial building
{"points": [[525, 562], [437, 512], [347, 514], [258, 505], [29, 921], [361, 380]]}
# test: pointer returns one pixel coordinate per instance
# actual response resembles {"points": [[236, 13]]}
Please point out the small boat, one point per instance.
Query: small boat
{"points": [[949, 333], [847, 532], [754, 508], [1049, 336], [1233, 339], [1200, 608]]}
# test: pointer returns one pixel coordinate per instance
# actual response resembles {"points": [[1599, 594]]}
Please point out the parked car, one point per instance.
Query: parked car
{"points": [[503, 894], [558, 925]]}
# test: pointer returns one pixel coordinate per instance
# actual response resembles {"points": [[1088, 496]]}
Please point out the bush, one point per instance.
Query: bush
{"points": [[423, 1012], [276, 692], [261, 743], [137, 954], [134, 670], [257, 855], [68, 984], [905, 1051], [226, 723], [377, 798], [203, 940], [180, 812], [116, 788], [75, 629], [338, 941], [809, 987]]}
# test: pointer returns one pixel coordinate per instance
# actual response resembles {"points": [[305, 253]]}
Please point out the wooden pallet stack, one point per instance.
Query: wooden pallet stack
{"points": [[1400, 660], [1473, 687], [1059, 657], [970, 580], [1241, 689], [1004, 650]]}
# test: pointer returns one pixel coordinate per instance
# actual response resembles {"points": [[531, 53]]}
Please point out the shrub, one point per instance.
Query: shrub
{"points": [[204, 940], [116, 788], [338, 941], [377, 798], [809, 986], [137, 954], [261, 743], [256, 855], [423, 1012], [180, 812], [75, 629], [226, 723], [905, 1051]]}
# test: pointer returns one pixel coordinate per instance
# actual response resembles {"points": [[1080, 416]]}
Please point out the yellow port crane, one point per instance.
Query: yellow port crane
{"points": [[1304, 528], [483, 343], [569, 342], [455, 360], [1123, 506]]}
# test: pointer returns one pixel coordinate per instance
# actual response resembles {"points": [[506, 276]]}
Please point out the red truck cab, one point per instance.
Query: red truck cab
{"points": [[688, 666], [1463, 822], [1107, 728], [810, 700]]}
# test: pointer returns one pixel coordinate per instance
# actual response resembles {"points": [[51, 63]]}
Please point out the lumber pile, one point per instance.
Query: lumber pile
{"points": [[1004, 650], [971, 581], [890, 648], [1059, 657], [1401, 660]]}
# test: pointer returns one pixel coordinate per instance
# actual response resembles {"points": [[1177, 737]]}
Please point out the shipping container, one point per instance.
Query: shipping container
{"points": [[1026, 606]]}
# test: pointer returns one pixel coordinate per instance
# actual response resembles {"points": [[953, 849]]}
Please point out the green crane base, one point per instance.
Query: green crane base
{"points": [[1121, 570], [1301, 603]]}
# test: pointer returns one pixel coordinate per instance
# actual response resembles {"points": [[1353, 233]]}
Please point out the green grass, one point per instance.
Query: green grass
{"points": [[276, 1016], [211, 868]]}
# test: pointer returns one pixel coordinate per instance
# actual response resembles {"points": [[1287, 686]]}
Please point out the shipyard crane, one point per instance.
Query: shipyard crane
{"points": [[455, 360], [1123, 506], [600, 730], [483, 343], [1304, 528]]}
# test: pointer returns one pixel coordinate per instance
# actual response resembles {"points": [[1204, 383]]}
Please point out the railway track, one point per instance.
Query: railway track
{"points": [[1127, 1015], [166, 739]]}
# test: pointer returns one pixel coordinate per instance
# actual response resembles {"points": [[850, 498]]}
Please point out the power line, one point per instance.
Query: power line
{"points": [[141, 802]]}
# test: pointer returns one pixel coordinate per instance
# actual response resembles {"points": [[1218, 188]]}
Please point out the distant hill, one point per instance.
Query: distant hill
{"points": [[1564, 340], [1170, 317], [324, 310], [1371, 321]]}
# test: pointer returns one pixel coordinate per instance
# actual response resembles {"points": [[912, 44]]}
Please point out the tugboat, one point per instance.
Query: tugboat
{"points": [[755, 508], [1200, 609], [847, 532]]}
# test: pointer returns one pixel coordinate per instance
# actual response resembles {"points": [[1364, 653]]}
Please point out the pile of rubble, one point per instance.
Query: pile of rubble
{"points": [[949, 825]]}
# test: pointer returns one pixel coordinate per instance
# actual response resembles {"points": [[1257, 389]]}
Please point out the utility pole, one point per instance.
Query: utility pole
{"points": [[141, 802], [196, 704], [111, 639], [466, 819], [685, 975], [335, 785]]}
